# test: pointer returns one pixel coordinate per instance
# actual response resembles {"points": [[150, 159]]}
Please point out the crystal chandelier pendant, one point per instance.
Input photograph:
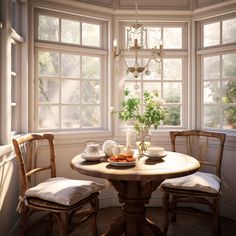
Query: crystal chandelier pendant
{"points": [[136, 86]]}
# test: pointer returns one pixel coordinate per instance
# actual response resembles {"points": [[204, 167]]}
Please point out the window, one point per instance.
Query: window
{"points": [[219, 75], [11, 44], [71, 78], [168, 78], [16, 41]]}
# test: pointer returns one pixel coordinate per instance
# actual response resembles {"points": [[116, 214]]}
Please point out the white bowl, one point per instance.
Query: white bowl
{"points": [[155, 151]]}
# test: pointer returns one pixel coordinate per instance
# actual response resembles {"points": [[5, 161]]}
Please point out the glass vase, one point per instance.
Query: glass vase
{"points": [[143, 141]]}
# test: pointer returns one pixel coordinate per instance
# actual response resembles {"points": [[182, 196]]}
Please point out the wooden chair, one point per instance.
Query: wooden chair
{"points": [[65, 199], [202, 187]]}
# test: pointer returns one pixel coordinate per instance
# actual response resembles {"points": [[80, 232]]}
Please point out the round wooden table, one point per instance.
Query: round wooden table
{"points": [[135, 185]]}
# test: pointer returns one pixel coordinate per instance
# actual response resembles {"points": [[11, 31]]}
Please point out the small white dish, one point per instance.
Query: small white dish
{"points": [[155, 157], [97, 157], [115, 163]]}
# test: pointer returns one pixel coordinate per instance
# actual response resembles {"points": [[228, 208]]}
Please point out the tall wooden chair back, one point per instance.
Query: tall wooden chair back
{"points": [[205, 146], [202, 187], [26, 149]]}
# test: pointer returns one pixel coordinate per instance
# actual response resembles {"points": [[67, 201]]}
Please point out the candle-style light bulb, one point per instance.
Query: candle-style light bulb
{"points": [[115, 43]]}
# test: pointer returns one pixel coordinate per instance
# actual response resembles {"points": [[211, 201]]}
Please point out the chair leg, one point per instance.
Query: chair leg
{"points": [[62, 220], [95, 206], [25, 211], [166, 212], [173, 207], [216, 222], [50, 225]]}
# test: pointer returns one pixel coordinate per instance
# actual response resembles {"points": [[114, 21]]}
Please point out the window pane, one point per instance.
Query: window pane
{"points": [[48, 63], [91, 35], [14, 15], [48, 117], [13, 118], [91, 67], [48, 90], [91, 116], [70, 65], [134, 92], [229, 92], [48, 28], [151, 86], [172, 92], [229, 65], [13, 58], [229, 31], [212, 116], [212, 92], [172, 69], [172, 38], [70, 91], [155, 69], [70, 31], [70, 117], [153, 37], [173, 117], [91, 92], [13, 89], [230, 117], [211, 34], [211, 67]]}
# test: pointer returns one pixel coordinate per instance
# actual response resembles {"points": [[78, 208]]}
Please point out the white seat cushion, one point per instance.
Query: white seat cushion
{"points": [[63, 191], [199, 181]]}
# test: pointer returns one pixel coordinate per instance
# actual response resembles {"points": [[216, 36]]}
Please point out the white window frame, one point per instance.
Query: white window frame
{"points": [[210, 51], [168, 53], [10, 35], [81, 50]]}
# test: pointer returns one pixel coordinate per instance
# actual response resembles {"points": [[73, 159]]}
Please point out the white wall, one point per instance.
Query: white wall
{"points": [[9, 190]]}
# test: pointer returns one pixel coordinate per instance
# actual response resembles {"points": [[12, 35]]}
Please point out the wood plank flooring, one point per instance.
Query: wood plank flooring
{"points": [[185, 226]]}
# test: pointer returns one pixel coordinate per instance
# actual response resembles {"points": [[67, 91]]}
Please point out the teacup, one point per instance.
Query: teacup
{"points": [[92, 149], [155, 151]]}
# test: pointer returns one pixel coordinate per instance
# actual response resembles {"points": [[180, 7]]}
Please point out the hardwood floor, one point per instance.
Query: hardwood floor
{"points": [[185, 225]]}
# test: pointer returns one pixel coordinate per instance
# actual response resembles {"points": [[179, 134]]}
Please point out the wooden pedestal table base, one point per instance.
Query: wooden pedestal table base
{"points": [[134, 195]]}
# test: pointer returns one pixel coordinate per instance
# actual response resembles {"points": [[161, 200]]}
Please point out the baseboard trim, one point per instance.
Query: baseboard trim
{"points": [[156, 201]]}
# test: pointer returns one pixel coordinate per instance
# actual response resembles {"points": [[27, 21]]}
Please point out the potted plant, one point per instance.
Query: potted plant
{"points": [[151, 116]]}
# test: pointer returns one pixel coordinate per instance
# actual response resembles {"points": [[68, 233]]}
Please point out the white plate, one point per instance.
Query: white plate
{"points": [[155, 157], [93, 158], [114, 163]]}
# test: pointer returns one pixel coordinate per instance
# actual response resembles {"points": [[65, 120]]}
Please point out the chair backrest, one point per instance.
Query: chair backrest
{"points": [[205, 146], [26, 149]]}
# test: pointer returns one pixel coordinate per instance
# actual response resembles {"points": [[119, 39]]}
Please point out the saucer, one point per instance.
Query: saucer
{"points": [[156, 157], [97, 157]]}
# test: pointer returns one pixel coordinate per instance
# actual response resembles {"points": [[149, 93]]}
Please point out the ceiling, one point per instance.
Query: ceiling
{"points": [[153, 4]]}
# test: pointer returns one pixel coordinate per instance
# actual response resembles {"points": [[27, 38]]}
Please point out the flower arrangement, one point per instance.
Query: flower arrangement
{"points": [[154, 112]]}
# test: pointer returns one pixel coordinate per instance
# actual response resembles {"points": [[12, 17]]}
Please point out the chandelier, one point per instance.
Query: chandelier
{"points": [[136, 41]]}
